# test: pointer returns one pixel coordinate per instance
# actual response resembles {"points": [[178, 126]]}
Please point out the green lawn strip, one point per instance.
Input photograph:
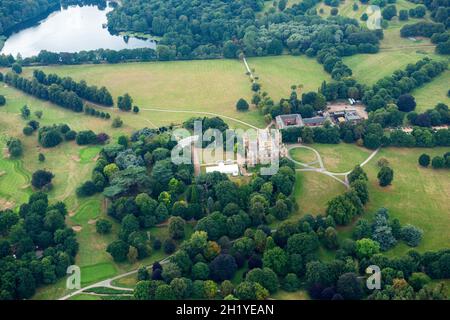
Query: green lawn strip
{"points": [[205, 85], [418, 196], [341, 157], [312, 192], [433, 93], [278, 74], [303, 155], [296, 295], [106, 290]]}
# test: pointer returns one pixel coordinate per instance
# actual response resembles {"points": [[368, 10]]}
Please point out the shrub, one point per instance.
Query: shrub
{"points": [[411, 235], [28, 131], [41, 178], [103, 226], [2, 100], [169, 246], [385, 176], [242, 105], [438, 162], [424, 160]]}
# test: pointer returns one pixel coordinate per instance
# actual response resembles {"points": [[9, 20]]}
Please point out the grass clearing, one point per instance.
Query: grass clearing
{"points": [[208, 85], [303, 155], [312, 192], [433, 93], [284, 295], [278, 74], [418, 196], [341, 157]]}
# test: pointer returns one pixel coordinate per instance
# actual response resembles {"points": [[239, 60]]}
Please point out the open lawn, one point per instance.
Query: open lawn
{"points": [[278, 74], [313, 190], [341, 157], [284, 295], [418, 196], [433, 93], [208, 86], [303, 155]]}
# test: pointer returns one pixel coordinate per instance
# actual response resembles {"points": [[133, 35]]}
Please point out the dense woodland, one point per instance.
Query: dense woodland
{"points": [[36, 247], [15, 12]]}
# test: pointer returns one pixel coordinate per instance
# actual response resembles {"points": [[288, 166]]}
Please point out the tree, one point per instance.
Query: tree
{"points": [[200, 271], [385, 176], [438, 162], [349, 286], [117, 122], [176, 228], [28, 131], [265, 277], [125, 102], [118, 249], [330, 239], [25, 112], [164, 292], [403, 15], [291, 283], [17, 68], [222, 267], [277, 260], [2, 100], [424, 160], [39, 114], [411, 235], [365, 248], [103, 226], [41, 178], [242, 105], [388, 13], [406, 103]]}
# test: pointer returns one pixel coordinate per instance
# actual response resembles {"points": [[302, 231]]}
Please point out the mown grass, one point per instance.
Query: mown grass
{"points": [[418, 196], [341, 157], [303, 155], [278, 74], [209, 86], [433, 93], [312, 192], [284, 295]]}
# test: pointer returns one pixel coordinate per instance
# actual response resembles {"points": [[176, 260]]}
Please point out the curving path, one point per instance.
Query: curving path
{"points": [[107, 283], [322, 169], [200, 112]]}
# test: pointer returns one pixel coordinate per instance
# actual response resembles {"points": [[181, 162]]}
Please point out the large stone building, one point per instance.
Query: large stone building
{"points": [[263, 147]]}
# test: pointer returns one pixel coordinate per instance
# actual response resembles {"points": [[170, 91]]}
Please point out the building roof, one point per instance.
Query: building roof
{"points": [[232, 169], [315, 120]]}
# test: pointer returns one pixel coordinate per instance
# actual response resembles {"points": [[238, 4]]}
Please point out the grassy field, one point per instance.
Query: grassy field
{"points": [[433, 93], [341, 157], [395, 52], [313, 191], [278, 74], [303, 155], [418, 196], [284, 295], [208, 86]]}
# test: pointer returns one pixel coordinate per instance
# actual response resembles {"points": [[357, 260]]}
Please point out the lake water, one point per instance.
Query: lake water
{"points": [[72, 29]]}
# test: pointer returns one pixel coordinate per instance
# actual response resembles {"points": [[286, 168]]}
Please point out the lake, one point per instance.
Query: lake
{"points": [[71, 29]]}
